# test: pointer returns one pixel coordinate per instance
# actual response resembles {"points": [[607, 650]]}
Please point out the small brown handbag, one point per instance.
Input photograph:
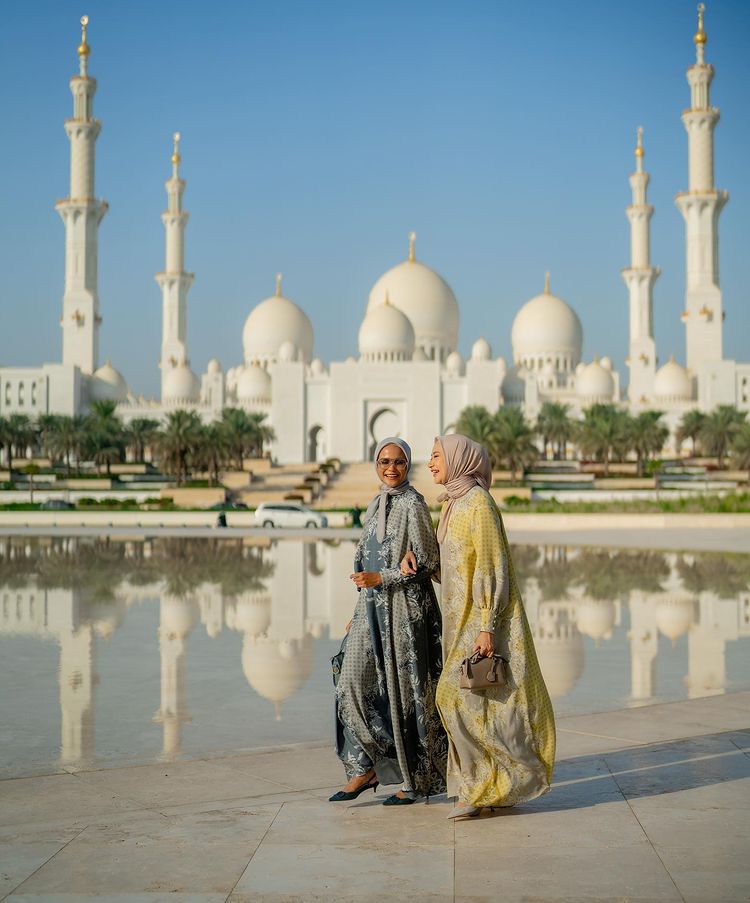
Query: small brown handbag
{"points": [[478, 672]]}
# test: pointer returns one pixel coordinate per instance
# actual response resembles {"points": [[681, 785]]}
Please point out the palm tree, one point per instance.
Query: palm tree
{"points": [[741, 448], [139, 434], [690, 427], [555, 427], [645, 435], [601, 433], [5, 441], [21, 434], [212, 451], [46, 424], [718, 430], [246, 433], [68, 439], [513, 440], [264, 433], [104, 433], [477, 423], [31, 470], [177, 441]]}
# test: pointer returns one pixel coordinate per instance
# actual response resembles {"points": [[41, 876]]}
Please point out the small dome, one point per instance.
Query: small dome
{"points": [[606, 363], [317, 368], [288, 352], [107, 384], [272, 323], [547, 327], [213, 367], [454, 364], [181, 385], [277, 668], [250, 614], [672, 382], [254, 385], [177, 616], [426, 299], [481, 350], [559, 647], [675, 616], [419, 355], [386, 334], [596, 618], [595, 383]]}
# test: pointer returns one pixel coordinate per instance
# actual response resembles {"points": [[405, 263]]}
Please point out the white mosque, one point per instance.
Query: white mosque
{"points": [[408, 378]]}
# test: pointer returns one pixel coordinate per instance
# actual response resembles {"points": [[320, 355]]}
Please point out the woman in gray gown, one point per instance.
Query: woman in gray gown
{"points": [[388, 729]]}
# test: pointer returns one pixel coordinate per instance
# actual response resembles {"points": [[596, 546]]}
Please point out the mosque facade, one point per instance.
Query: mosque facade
{"points": [[408, 377]]}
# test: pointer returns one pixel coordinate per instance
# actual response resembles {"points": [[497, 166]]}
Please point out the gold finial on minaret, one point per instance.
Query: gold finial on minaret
{"points": [[546, 283], [176, 158], [700, 36], [278, 285], [639, 152], [83, 47], [412, 240], [387, 301]]}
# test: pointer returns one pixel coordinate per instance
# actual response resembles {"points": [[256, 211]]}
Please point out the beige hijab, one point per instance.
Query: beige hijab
{"points": [[468, 465]]}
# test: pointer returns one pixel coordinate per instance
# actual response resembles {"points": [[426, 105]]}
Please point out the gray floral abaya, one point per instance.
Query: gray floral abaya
{"points": [[386, 716]]}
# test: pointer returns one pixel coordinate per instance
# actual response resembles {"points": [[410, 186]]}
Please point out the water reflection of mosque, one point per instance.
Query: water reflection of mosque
{"points": [[283, 597]]}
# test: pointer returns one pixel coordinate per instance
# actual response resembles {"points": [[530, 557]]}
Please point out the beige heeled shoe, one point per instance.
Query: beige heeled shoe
{"points": [[464, 811]]}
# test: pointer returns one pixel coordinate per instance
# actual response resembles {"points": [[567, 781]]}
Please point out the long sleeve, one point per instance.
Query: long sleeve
{"points": [[490, 584], [419, 536]]}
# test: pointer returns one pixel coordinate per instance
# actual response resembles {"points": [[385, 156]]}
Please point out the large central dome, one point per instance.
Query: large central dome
{"points": [[426, 299]]}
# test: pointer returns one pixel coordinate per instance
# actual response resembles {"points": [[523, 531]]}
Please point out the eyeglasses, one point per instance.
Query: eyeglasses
{"points": [[385, 462]]}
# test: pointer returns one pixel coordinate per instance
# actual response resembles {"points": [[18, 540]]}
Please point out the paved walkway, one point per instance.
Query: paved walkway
{"points": [[649, 804]]}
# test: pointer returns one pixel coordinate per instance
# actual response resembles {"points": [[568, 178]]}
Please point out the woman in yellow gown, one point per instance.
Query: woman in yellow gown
{"points": [[501, 747]]}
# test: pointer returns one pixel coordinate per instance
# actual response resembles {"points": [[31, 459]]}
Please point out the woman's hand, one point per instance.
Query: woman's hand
{"points": [[409, 564], [485, 644], [366, 579]]}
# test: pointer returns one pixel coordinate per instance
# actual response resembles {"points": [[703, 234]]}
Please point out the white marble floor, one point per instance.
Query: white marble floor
{"points": [[649, 804]]}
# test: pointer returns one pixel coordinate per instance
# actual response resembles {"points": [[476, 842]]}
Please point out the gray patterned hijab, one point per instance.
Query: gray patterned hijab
{"points": [[380, 502]]}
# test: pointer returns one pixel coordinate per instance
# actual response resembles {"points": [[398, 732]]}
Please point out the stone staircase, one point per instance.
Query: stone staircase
{"points": [[356, 484], [273, 484]]}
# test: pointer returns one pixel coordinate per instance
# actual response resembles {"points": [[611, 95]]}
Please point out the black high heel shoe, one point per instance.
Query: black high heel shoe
{"points": [[396, 800], [342, 795]]}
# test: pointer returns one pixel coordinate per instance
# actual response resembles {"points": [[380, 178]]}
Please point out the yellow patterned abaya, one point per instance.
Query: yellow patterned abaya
{"points": [[501, 741]]}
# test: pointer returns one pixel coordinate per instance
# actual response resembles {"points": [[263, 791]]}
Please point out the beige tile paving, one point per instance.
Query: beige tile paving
{"points": [[648, 804]]}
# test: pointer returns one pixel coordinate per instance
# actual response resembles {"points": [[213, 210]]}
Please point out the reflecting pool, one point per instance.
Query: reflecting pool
{"points": [[115, 652]]}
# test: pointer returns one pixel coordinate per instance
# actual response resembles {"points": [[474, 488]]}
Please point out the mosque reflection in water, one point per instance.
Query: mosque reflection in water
{"points": [[597, 616]]}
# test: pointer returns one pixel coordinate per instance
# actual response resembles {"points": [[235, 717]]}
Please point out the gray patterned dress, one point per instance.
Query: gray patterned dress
{"points": [[386, 716]]}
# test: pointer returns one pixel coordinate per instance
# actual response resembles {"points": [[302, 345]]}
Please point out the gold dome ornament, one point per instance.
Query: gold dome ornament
{"points": [[83, 47], [176, 158], [700, 36], [639, 152]]}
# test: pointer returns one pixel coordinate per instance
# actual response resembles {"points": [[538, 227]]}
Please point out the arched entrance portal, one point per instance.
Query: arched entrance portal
{"points": [[383, 423], [316, 444]]}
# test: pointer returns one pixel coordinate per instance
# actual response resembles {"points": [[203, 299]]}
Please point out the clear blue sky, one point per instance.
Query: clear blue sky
{"points": [[316, 135]]}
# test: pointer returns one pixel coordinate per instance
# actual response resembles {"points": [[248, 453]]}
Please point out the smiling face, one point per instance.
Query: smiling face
{"points": [[392, 465], [437, 465]]}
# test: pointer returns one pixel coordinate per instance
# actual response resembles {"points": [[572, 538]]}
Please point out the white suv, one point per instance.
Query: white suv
{"points": [[288, 514]]}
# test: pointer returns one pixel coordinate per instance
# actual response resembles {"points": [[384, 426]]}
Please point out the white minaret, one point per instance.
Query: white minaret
{"points": [[81, 213], [174, 281], [640, 277], [700, 206]]}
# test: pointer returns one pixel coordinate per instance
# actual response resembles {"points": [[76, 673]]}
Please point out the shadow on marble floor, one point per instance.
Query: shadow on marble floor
{"points": [[640, 772]]}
